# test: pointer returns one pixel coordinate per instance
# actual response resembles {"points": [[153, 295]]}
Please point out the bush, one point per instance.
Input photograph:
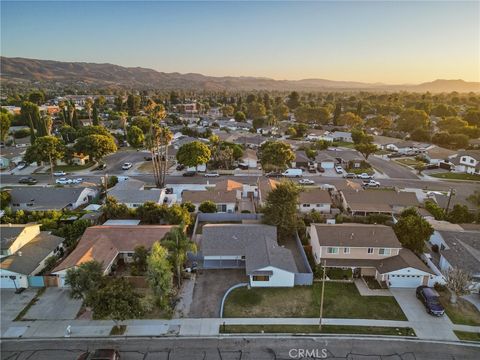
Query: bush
{"points": [[339, 274], [435, 248], [22, 133], [439, 287], [246, 211]]}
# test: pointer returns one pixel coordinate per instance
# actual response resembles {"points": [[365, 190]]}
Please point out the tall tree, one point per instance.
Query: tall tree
{"points": [[366, 149], [412, 230], [458, 282], [276, 155], [5, 123], [281, 208], [159, 273], [46, 149], [135, 137], [95, 146], [84, 278], [178, 244], [193, 154]]}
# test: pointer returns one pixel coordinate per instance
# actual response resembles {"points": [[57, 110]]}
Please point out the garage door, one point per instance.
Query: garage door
{"points": [[405, 281], [7, 283], [327, 164]]}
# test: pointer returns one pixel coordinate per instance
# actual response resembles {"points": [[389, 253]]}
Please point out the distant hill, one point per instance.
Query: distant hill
{"points": [[57, 73]]}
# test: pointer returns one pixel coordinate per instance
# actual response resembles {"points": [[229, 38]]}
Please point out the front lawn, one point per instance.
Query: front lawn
{"points": [[456, 176], [72, 168], [314, 329], [343, 144], [463, 313], [410, 162], [469, 336], [341, 300]]}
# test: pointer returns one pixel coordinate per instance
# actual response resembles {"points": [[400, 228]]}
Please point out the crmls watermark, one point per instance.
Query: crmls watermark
{"points": [[308, 353]]}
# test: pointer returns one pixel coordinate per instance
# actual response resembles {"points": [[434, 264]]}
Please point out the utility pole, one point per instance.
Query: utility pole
{"points": [[450, 194], [324, 276]]}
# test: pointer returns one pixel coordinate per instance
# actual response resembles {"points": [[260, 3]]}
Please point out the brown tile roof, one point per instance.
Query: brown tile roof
{"points": [[103, 243], [213, 195], [356, 235], [228, 185], [314, 196]]}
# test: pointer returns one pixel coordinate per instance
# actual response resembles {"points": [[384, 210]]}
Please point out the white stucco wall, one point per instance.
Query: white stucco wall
{"points": [[279, 278]]}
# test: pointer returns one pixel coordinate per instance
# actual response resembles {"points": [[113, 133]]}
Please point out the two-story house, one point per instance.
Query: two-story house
{"points": [[369, 250], [467, 162]]}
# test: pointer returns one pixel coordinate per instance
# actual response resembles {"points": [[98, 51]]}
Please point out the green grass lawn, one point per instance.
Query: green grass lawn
{"points": [[456, 176], [469, 336], [314, 329], [369, 171], [342, 300], [344, 144], [463, 313], [409, 162], [70, 168]]}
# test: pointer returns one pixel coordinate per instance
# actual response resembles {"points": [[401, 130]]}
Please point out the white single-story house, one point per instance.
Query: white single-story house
{"points": [[250, 246], [226, 201], [314, 199]]}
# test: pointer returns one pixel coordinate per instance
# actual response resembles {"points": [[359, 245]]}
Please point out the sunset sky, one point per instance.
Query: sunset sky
{"points": [[389, 42]]}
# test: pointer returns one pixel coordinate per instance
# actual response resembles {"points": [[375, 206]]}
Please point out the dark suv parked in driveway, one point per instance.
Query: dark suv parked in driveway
{"points": [[429, 298]]}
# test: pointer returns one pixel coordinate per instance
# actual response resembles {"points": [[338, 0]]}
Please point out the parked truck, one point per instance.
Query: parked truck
{"points": [[293, 173]]}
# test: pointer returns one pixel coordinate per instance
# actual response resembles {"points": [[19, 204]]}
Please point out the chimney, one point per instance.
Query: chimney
{"points": [[19, 253]]}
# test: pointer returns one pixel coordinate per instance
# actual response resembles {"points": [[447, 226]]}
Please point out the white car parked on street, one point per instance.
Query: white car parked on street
{"points": [[306, 182], [64, 181], [212, 174], [59, 173], [127, 166]]}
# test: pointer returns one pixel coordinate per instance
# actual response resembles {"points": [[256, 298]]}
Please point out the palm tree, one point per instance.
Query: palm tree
{"points": [[178, 244], [158, 141]]}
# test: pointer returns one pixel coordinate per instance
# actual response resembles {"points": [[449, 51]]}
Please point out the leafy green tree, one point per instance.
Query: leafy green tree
{"points": [[379, 122], [280, 111], [281, 208], [95, 117], [31, 115], [443, 110], [412, 230], [68, 133], [207, 207], [139, 264], [193, 154], [178, 244], [411, 119], [93, 130], [5, 199], [452, 124], [113, 210], [293, 100], [177, 214], [276, 155], [142, 122], [366, 149], [336, 113], [83, 279], [133, 104], [95, 146], [460, 215], [189, 206], [36, 97], [228, 110], [437, 212], [46, 149], [472, 117], [159, 273], [420, 135], [5, 123], [256, 110], [350, 120], [135, 137], [475, 198], [240, 116], [115, 300]]}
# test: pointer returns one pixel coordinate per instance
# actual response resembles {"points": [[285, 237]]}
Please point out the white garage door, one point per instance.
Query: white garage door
{"points": [[7, 283], [405, 281], [327, 164]]}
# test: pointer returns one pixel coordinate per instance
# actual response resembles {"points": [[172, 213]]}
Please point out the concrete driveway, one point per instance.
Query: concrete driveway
{"points": [[425, 325], [210, 286], [54, 304], [11, 304]]}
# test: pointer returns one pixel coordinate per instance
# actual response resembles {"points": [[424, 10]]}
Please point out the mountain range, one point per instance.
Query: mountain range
{"points": [[15, 70]]}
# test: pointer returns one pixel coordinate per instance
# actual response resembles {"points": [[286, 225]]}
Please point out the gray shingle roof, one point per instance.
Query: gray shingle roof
{"points": [[8, 234], [314, 196], [135, 196], [464, 249], [27, 259], [48, 198], [256, 242], [356, 235]]}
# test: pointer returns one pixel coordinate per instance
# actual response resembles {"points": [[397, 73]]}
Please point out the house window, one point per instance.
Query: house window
{"points": [[346, 250], [464, 159], [129, 254], [319, 205], [332, 250], [222, 208], [383, 251], [472, 161], [306, 205], [370, 250], [261, 278]]}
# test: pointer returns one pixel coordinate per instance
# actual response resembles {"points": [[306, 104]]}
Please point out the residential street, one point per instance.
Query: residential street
{"points": [[391, 169], [244, 348]]}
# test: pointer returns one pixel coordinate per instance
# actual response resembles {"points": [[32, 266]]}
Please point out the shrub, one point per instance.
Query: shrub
{"points": [[339, 274], [435, 248], [22, 133], [439, 287]]}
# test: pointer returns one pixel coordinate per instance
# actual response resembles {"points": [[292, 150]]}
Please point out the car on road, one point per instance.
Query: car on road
{"points": [[274, 174], [147, 158], [21, 165], [189, 173], [100, 354], [28, 180], [212, 174], [101, 167], [430, 300], [306, 182], [59, 173], [371, 184], [127, 166], [350, 176], [180, 167], [293, 173], [64, 181], [395, 155], [320, 169], [77, 181], [339, 169], [364, 176]]}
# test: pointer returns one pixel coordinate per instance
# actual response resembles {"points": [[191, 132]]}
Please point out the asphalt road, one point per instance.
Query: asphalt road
{"points": [[242, 348], [391, 168]]}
